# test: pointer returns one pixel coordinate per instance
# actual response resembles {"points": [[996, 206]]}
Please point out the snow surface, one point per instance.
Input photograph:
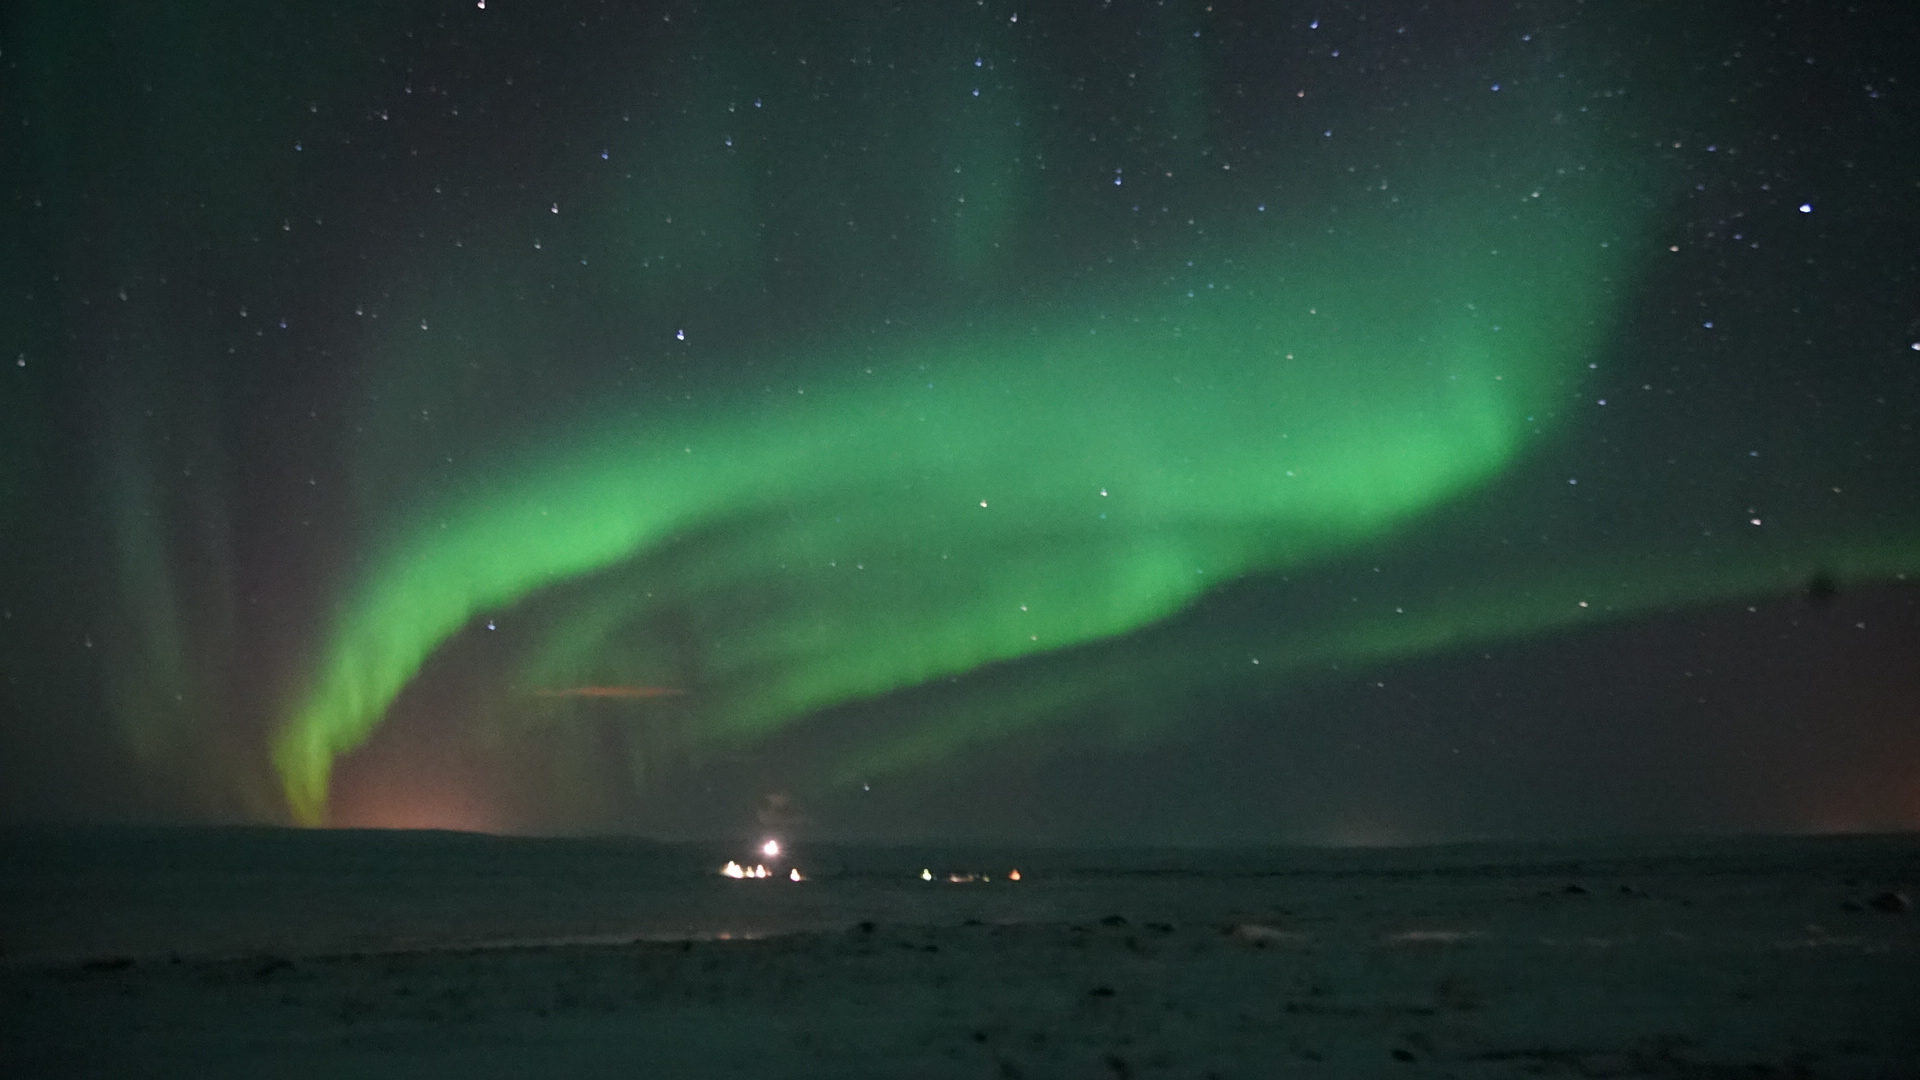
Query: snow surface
{"points": [[214, 953]]}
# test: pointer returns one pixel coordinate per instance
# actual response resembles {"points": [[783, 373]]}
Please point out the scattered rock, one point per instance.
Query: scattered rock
{"points": [[107, 963], [1114, 920], [1260, 935], [1574, 890], [1300, 1050], [1401, 1053], [1891, 901], [1101, 992], [1454, 992]]}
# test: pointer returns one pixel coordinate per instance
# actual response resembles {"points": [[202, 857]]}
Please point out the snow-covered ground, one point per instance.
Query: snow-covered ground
{"points": [[213, 953]]}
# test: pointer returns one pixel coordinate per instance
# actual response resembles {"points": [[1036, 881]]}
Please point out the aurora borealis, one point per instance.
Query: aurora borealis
{"points": [[548, 416]]}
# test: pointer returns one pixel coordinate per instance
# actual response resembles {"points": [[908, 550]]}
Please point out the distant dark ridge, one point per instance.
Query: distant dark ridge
{"points": [[243, 850], [255, 848]]}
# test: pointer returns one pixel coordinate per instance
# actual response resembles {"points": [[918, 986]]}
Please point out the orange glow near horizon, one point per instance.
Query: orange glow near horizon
{"points": [[450, 810]]}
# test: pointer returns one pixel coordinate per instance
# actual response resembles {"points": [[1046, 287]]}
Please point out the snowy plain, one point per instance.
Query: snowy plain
{"points": [[262, 952]]}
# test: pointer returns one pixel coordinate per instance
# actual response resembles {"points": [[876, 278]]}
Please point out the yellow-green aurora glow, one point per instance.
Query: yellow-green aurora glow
{"points": [[579, 416], [1037, 480]]}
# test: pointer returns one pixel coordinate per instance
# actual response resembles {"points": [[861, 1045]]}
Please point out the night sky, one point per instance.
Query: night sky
{"points": [[1167, 422]]}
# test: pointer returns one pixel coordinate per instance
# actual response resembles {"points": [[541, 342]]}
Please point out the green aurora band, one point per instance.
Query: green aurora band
{"points": [[927, 394], [1024, 486], [999, 511]]}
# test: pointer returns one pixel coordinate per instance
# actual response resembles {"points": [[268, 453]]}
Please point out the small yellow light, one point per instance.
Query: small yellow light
{"points": [[926, 875], [1013, 876]]}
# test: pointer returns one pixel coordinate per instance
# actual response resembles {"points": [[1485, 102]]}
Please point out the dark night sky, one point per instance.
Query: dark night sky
{"points": [[1174, 422]]}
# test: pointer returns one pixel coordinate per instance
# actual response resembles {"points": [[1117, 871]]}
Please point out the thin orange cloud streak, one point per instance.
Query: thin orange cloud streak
{"points": [[613, 692]]}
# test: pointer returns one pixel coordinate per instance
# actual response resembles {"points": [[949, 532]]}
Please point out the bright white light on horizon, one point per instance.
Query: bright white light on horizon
{"points": [[794, 875], [771, 849], [733, 870], [959, 877]]}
